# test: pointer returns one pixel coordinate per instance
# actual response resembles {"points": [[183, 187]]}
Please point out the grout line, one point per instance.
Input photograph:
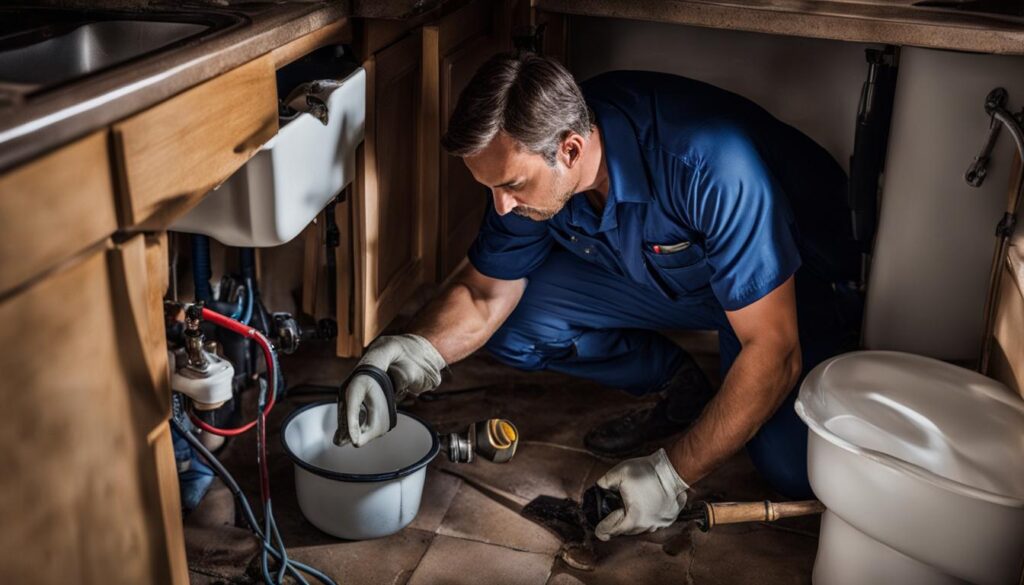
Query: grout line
{"points": [[468, 538], [557, 446], [412, 571], [689, 565], [583, 480], [551, 568]]}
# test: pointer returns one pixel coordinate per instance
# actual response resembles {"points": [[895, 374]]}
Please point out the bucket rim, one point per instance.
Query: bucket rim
{"points": [[435, 448]]}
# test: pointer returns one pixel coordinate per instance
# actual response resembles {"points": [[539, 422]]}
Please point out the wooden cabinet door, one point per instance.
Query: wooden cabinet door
{"points": [[392, 219], [89, 487], [465, 39]]}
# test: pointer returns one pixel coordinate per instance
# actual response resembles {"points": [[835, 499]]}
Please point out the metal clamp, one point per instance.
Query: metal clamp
{"points": [[976, 173], [995, 107]]}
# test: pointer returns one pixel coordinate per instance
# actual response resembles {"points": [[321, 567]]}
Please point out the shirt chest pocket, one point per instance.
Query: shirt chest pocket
{"points": [[683, 270]]}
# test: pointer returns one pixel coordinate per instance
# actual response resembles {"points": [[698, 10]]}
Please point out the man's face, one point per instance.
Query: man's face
{"points": [[522, 182]]}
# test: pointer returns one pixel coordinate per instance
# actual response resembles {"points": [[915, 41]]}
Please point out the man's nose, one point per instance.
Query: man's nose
{"points": [[504, 202]]}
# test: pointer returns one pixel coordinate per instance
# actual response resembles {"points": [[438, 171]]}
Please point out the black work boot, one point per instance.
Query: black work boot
{"points": [[685, 395]]}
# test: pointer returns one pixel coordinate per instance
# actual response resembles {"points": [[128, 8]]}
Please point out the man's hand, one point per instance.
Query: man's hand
{"points": [[414, 367], [652, 492]]}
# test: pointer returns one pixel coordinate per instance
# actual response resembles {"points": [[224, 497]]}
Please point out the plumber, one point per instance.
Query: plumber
{"points": [[627, 205]]}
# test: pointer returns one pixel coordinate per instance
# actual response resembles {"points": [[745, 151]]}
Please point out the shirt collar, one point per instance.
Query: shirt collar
{"points": [[627, 171]]}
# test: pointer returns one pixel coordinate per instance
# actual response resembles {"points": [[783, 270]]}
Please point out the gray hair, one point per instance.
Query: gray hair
{"points": [[531, 98]]}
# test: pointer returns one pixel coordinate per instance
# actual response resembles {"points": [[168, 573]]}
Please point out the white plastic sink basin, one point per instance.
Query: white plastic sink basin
{"points": [[290, 180]]}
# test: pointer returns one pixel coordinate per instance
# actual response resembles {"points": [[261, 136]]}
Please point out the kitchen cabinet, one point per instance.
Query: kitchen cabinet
{"points": [[91, 479], [89, 474], [169, 156]]}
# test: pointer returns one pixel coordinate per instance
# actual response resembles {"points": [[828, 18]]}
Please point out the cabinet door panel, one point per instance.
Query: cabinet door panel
{"points": [[391, 225], [463, 199], [397, 134], [83, 444]]}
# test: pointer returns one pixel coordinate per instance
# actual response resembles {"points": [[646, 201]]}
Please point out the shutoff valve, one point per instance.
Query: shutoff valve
{"points": [[198, 373]]}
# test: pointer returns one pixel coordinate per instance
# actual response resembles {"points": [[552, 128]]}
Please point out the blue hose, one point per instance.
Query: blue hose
{"points": [[250, 300], [247, 262], [201, 272]]}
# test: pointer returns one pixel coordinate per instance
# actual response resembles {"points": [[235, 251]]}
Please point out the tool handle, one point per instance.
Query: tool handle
{"points": [[736, 512]]}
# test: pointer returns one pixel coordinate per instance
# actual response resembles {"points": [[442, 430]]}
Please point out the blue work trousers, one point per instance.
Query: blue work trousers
{"points": [[580, 319]]}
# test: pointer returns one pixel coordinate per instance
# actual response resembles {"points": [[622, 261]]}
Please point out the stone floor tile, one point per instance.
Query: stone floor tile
{"points": [[383, 561], [475, 516], [535, 470], [217, 508], [627, 560], [222, 552], [752, 553], [453, 561], [439, 491]]}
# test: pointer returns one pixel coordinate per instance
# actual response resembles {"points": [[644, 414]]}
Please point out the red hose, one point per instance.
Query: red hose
{"points": [[251, 333]]}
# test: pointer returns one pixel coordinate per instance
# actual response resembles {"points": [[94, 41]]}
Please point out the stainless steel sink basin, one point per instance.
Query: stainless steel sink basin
{"points": [[42, 48], [89, 48]]}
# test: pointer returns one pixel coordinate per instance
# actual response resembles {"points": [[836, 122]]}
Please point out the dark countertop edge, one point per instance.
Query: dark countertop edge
{"points": [[33, 129], [395, 10], [836, 20]]}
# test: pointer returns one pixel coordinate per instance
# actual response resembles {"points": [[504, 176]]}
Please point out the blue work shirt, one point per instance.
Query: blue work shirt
{"points": [[709, 196]]}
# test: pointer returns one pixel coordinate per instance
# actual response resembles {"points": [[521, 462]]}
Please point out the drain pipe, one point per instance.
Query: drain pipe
{"points": [[995, 104]]}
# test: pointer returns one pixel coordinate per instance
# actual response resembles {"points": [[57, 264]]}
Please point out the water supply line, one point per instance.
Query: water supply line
{"points": [[269, 356], [272, 544], [995, 107]]}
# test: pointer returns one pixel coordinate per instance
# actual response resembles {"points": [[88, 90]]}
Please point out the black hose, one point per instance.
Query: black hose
{"points": [[247, 262], [247, 512]]}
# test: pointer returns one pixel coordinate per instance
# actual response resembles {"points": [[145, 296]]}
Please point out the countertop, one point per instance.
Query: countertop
{"points": [[897, 22], [55, 117]]}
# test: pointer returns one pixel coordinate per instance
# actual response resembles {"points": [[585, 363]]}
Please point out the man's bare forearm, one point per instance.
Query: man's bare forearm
{"points": [[756, 384], [468, 312]]}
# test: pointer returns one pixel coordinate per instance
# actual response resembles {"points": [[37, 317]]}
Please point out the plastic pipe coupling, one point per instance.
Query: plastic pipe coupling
{"points": [[494, 439]]}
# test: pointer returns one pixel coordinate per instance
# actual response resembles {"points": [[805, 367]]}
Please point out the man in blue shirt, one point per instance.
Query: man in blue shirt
{"points": [[635, 203]]}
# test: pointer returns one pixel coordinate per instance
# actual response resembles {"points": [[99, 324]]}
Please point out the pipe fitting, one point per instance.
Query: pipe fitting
{"points": [[494, 439]]}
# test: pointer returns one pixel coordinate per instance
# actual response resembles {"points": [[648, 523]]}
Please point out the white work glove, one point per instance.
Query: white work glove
{"points": [[413, 365], [652, 493]]}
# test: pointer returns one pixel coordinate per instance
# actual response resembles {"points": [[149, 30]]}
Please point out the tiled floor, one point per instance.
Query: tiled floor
{"points": [[463, 535]]}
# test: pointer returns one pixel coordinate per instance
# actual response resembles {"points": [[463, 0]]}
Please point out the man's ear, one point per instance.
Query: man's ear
{"points": [[571, 149]]}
